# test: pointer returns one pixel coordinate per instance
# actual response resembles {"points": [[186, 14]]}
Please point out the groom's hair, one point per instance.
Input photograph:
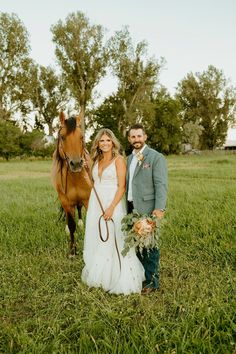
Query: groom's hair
{"points": [[136, 126]]}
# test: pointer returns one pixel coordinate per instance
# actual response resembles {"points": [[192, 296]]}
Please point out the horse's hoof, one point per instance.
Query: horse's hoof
{"points": [[71, 256], [80, 223], [67, 230]]}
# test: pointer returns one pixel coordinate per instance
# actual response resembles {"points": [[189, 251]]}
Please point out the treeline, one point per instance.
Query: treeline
{"points": [[31, 95]]}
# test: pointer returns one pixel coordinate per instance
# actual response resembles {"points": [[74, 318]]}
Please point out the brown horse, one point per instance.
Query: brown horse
{"points": [[70, 173]]}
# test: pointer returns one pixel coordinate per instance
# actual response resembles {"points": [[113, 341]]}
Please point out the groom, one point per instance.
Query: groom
{"points": [[146, 191]]}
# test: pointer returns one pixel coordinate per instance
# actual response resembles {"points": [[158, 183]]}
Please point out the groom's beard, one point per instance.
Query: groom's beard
{"points": [[137, 145]]}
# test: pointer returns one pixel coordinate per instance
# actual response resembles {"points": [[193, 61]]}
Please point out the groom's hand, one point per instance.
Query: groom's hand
{"points": [[158, 213]]}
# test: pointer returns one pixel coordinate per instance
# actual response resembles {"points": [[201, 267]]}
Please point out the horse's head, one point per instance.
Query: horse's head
{"points": [[71, 142]]}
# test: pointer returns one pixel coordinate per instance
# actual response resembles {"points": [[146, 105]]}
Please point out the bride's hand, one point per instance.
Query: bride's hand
{"points": [[108, 213]]}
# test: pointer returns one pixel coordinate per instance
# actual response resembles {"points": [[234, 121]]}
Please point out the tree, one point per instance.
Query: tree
{"points": [[137, 77], [49, 96], [33, 144], [207, 100], [109, 114], [15, 67], [164, 129], [9, 139], [191, 134], [81, 55]]}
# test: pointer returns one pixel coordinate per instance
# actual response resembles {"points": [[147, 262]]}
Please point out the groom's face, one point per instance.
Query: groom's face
{"points": [[137, 138]]}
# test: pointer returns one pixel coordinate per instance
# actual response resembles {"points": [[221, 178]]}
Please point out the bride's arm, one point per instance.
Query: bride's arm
{"points": [[121, 177]]}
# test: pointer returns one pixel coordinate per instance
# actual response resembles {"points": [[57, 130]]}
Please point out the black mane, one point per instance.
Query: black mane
{"points": [[70, 124]]}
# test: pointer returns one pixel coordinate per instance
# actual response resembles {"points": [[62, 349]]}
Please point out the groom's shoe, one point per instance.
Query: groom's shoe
{"points": [[147, 291]]}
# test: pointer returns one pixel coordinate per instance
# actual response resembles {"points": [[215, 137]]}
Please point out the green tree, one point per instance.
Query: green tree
{"points": [[109, 114], [208, 100], [49, 96], [191, 134], [15, 67], [10, 136], [164, 129], [137, 76], [81, 55], [33, 144]]}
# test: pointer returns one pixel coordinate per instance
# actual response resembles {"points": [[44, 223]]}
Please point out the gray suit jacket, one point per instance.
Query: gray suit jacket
{"points": [[149, 184]]}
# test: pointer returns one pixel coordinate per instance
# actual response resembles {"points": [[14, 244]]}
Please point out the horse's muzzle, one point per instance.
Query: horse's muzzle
{"points": [[76, 165]]}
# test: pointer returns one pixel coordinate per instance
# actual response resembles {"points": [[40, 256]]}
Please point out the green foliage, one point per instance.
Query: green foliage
{"points": [[13, 142], [33, 144], [49, 96], [164, 128], [191, 134], [45, 308], [15, 67], [9, 139], [137, 76], [141, 231], [81, 55], [109, 114], [208, 100]]}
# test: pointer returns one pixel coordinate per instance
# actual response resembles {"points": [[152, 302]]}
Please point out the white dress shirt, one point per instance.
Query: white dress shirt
{"points": [[132, 167]]}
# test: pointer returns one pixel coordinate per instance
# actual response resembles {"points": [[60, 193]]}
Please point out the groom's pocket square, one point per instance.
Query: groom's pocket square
{"points": [[146, 165]]}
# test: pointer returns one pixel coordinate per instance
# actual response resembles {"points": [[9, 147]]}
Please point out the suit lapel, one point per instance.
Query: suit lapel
{"points": [[139, 165]]}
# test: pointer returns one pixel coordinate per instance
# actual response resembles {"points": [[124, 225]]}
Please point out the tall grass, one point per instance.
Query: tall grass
{"points": [[46, 309]]}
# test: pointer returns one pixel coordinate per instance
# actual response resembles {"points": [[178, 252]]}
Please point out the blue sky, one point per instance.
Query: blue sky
{"points": [[189, 34]]}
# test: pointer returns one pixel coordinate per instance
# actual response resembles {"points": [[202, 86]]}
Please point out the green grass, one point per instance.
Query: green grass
{"points": [[44, 307]]}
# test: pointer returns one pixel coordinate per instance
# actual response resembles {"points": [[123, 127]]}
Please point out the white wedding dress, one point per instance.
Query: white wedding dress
{"points": [[102, 268]]}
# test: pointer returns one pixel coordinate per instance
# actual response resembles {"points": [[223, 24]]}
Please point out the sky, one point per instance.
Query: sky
{"points": [[189, 34]]}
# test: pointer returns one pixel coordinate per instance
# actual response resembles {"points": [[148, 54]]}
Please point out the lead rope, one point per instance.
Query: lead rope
{"points": [[100, 218]]}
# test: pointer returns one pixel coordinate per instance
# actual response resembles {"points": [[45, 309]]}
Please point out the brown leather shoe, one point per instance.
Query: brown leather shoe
{"points": [[147, 291]]}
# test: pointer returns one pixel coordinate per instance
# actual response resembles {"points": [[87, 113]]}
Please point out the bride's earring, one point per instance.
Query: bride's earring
{"points": [[113, 152]]}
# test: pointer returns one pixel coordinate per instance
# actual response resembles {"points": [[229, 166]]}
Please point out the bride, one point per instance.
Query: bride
{"points": [[104, 265]]}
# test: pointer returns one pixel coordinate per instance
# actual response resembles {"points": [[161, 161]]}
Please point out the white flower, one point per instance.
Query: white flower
{"points": [[140, 158]]}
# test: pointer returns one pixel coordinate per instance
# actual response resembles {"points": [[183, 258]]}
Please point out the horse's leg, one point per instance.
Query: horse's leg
{"points": [[80, 221], [70, 216]]}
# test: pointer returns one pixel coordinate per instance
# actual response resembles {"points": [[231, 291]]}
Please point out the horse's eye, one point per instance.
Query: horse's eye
{"points": [[63, 138]]}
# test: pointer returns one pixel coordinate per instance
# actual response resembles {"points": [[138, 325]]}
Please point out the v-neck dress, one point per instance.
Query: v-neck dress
{"points": [[102, 267]]}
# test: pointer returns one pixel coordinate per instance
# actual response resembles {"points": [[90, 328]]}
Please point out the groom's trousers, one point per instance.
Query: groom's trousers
{"points": [[150, 260]]}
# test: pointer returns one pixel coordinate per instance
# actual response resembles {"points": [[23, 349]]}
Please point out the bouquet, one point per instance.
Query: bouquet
{"points": [[141, 231]]}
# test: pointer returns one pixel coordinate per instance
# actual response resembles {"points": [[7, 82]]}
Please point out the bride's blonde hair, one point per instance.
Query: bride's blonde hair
{"points": [[96, 153]]}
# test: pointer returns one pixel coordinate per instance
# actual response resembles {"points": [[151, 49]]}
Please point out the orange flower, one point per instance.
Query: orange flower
{"points": [[144, 227]]}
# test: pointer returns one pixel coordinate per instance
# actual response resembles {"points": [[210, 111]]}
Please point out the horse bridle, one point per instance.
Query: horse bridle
{"points": [[66, 158], [60, 139]]}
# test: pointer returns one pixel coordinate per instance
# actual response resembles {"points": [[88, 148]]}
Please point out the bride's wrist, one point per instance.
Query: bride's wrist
{"points": [[113, 205]]}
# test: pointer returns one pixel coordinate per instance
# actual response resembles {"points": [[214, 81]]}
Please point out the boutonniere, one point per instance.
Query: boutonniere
{"points": [[140, 158], [146, 165]]}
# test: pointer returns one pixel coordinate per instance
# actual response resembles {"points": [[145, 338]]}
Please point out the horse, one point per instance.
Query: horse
{"points": [[71, 172]]}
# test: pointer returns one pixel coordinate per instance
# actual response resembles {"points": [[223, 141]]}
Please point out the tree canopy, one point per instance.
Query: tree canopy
{"points": [[49, 96], [81, 54], [137, 76], [15, 67], [207, 100]]}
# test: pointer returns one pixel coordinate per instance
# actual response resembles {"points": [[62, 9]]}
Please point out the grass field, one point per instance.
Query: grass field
{"points": [[44, 307]]}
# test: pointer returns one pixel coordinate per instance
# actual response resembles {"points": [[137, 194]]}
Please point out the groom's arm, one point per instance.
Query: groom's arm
{"points": [[159, 175]]}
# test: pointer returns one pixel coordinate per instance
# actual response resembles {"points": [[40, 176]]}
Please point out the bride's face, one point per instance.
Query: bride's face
{"points": [[105, 143]]}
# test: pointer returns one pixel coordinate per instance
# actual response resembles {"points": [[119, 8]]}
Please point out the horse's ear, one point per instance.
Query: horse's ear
{"points": [[62, 117]]}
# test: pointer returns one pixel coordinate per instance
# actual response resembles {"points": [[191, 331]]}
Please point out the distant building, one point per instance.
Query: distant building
{"points": [[230, 142]]}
